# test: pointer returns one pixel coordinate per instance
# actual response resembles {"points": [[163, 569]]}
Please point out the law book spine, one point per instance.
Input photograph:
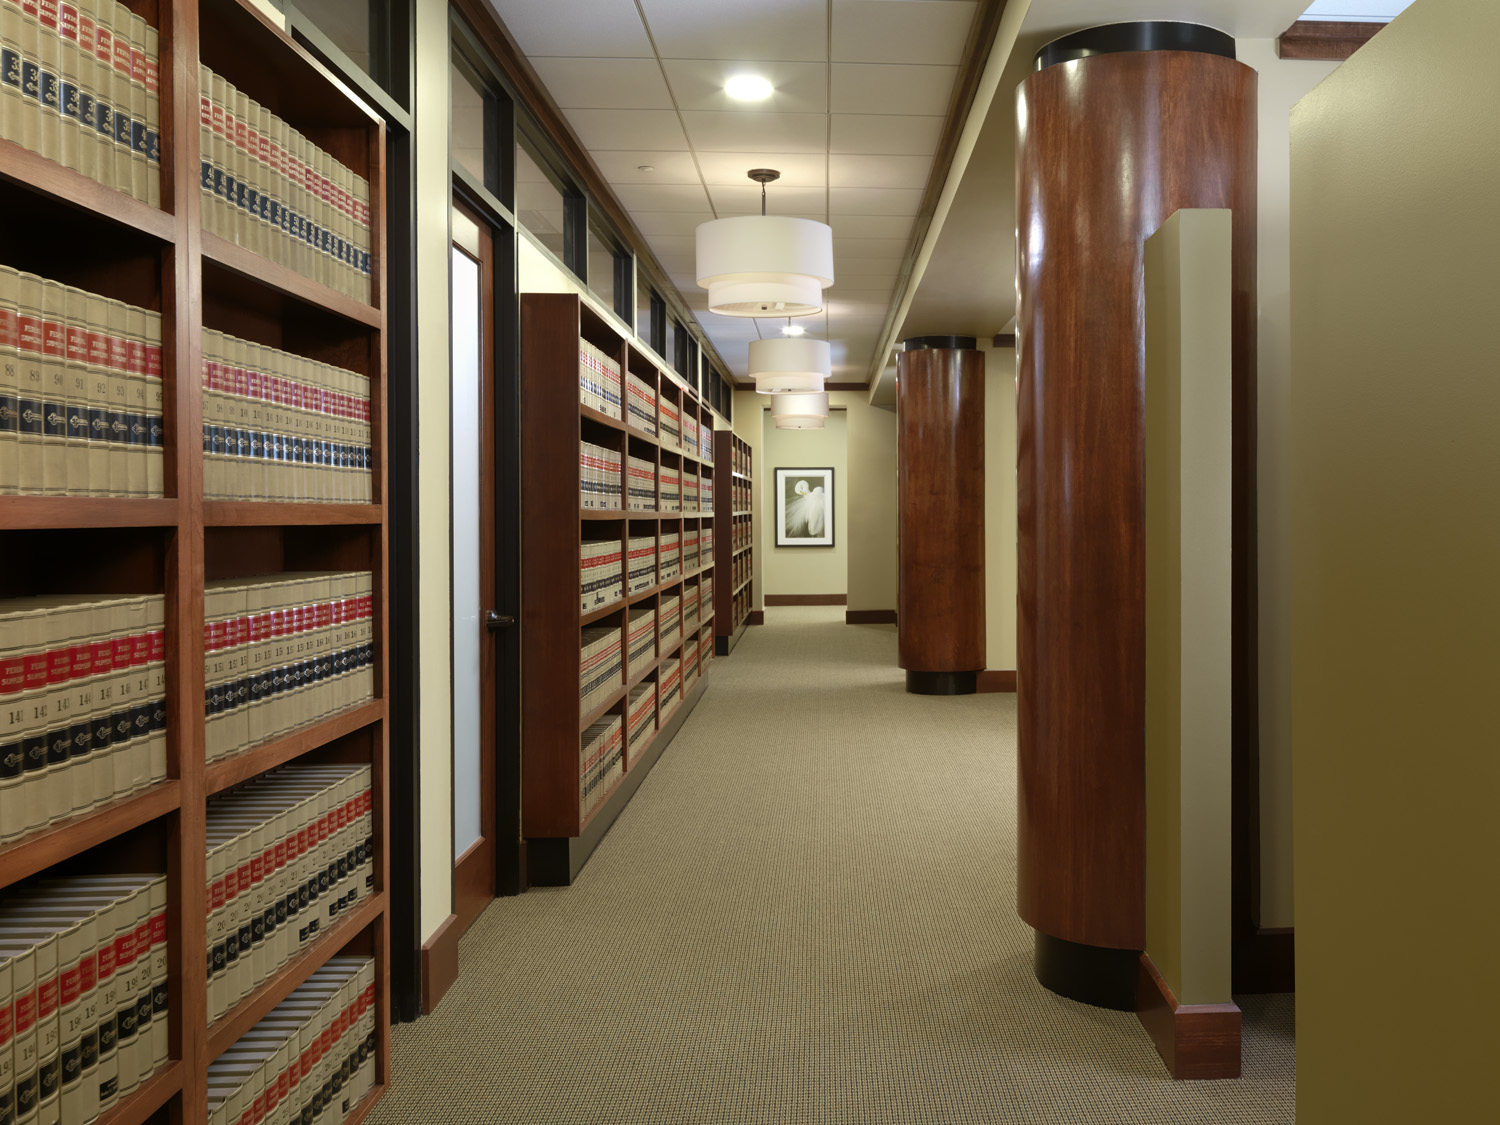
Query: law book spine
{"points": [[10, 370]]}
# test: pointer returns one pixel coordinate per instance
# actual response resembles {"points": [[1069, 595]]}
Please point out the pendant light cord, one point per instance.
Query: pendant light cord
{"points": [[763, 198]]}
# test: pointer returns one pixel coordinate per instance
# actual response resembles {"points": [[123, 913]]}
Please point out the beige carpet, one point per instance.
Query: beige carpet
{"points": [[805, 916]]}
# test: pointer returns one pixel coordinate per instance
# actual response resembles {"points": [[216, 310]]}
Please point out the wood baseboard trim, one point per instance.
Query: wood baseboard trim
{"points": [[996, 680], [439, 963], [869, 617], [807, 599], [1324, 40], [1196, 1041], [1266, 961], [756, 617]]}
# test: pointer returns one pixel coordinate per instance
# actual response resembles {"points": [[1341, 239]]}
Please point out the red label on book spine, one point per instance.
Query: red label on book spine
{"points": [[88, 971], [46, 998]]}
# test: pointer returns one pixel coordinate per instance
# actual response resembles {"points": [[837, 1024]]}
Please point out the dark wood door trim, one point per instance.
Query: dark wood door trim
{"points": [[1324, 40]]}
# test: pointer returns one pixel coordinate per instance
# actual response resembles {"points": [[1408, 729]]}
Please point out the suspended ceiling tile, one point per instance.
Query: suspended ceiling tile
{"points": [[604, 83], [588, 28], [879, 134], [698, 84], [627, 128], [663, 197], [874, 201], [672, 243], [901, 31], [869, 249], [623, 167], [871, 226], [713, 131], [731, 199], [888, 88], [879, 171], [680, 224], [858, 308], [768, 29], [875, 295], [798, 169]]}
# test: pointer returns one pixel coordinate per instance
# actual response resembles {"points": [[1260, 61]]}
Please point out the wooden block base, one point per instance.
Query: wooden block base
{"points": [[1196, 1041]]}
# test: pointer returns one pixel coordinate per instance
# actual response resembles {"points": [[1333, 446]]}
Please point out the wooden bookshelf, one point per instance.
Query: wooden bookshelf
{"points": [[734, 537], [559, 836], [76, 231]]}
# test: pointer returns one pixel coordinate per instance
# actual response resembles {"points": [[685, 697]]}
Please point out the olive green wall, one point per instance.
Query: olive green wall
{"points": [[1395, 554]]}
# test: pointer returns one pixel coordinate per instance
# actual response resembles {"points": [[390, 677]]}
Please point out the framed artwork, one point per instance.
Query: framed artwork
{"points": [[804, 507]]}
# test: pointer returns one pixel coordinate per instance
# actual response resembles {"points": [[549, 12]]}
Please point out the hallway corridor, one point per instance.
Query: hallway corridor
{"points": [[805, 916]]}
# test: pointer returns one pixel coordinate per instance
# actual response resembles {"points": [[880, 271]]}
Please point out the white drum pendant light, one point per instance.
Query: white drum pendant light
{"points": [[765, 265], [789, 365], [800, 411]]}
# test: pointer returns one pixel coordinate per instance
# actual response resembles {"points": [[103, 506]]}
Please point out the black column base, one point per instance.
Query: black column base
{"points": [[1089, 974], [942, 683]]}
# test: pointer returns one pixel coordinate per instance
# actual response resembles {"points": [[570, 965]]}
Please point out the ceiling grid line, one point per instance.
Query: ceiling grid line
{"points": [[671, 94]]}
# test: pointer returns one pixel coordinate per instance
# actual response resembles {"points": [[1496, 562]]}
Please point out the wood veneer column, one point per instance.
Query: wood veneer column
{"points": [[1109, 146], [940, 491]]}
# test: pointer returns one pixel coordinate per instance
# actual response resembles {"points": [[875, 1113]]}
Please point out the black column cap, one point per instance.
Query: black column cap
{"points": [[917, 343], [1148, 35]]}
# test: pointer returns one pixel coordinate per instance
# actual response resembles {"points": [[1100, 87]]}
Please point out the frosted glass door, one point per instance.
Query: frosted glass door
{"points": [[468, 597]]}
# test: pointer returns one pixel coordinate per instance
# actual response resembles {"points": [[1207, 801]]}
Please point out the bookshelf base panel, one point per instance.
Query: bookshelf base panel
{"points": [[555, 861]]}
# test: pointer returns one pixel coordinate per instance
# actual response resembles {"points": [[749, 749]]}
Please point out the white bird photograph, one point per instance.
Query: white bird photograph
{"points": [[804, 508]]}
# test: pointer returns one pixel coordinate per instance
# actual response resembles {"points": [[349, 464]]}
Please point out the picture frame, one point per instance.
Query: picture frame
{"points": [[804, 507]]}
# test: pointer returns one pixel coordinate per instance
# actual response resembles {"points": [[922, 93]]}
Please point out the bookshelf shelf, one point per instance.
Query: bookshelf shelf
{"points": [[48, 846], [250, 266], [256, 513], [143, 1102], [50, 181], [74, 231], [229, 772], [734, 598], [559, 831], [36, 513], [223, 1032]]}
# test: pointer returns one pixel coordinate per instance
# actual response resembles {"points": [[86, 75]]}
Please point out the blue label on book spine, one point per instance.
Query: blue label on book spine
{"points": [[122, 128], [68, 100], [31, 80], [10, 68], [138, 136], [104, 118], [50, 89], [88, 108]]}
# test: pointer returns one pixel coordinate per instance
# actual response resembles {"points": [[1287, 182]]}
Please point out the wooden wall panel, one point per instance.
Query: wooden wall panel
{"points": [[1109, 147]]}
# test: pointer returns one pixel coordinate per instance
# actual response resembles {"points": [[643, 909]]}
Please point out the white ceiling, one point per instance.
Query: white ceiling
{"points": [[862, 89]]}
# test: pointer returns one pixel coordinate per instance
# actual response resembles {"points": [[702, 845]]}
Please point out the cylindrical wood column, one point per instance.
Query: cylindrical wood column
{"points": [[1142, 120], [940, 491]]}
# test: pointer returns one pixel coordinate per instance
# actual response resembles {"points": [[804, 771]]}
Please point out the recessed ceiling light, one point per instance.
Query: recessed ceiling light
{"points": [[792, 330], [748, 88]]}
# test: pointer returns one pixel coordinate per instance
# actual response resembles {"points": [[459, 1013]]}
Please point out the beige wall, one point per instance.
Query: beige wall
{"points": [[1395, 549], [809, 570], [1188, 488], [872, 501], [1281, 83], [1000, 507], [435, 689]]}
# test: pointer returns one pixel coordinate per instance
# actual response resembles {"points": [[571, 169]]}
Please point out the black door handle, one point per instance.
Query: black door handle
{"points": [[494, 622]]}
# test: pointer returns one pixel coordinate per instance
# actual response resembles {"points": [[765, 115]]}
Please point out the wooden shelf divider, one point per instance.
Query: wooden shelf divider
{"points": [[230, 771], [140, 1104], [38, 513], [255, 513], [734, 598], [52, 183]]}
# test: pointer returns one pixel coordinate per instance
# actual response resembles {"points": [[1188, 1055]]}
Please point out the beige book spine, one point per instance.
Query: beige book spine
{"points": [[96, 372], [156, 667], [214, 347], [140, 398], [139, 167], [249, 138], [54, 389], [13, 108], [219, 110], [153, 116], [10, 379], [120, 99], [88, 93], [49, 66], [155, 407], [66, 16], [15, 709], [99, 15], [239, 139], [85, 475], [29, 36]]}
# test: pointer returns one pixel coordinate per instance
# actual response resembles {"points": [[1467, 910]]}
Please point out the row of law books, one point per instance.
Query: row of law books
{"points": [[652, 488], [706, 538], [600, 573], [83, 716], [278, 426], [80, 85], [640, 720], [739, 462], [669, 687], [741, 535], [641, 406], [671, 423], [741, 499], [84, 994], [705, 645], [598, 477], [601, 763], [80, 391], [598, 379], [310, 1059], [288, 855], [268, 188], [282, 651], [600, 665], [669, 622], [640, 638], [641, 565], [742, 569], [690, 435]]}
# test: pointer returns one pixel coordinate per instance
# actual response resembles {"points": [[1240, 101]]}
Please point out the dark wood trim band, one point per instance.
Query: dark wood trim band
{"points": [[1196, 1041], [807, 599], [997, 680], [1324, 40], [439, 963], [1003, 340], [512, 61], [756, 617], [846, 386], [869, 617]]}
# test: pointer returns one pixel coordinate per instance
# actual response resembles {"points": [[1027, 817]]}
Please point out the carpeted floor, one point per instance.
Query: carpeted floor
{"points": [[805, 917]]}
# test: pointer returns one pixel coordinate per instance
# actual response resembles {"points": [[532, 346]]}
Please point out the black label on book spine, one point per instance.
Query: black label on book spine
{"points": [[50, 89], [122, 127], [153, 146], [12, 760], [49, 1077], [125, 1021], [206, 175], [59, 746], [26, 1091], [143, 1008], [72, 1064], [104, 118], [10, 68], [246, 938], [81, 739], [55, 419], [68, 99], [160, 997], [99, 424], [88, 108], [90, 1045], [7, 1105], [108, 1035], [138, 136], [31, 88], [109, 1088]]}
